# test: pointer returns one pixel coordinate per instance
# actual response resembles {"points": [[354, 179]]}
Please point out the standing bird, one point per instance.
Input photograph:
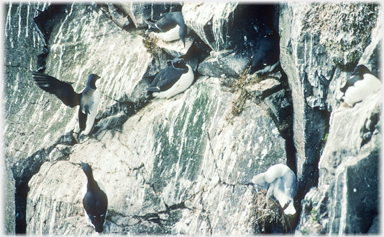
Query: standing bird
{"points": [[88, 99], [267, 55], [280, 181], [95, 200], [170, 27], [172, 80], [361, 84]]}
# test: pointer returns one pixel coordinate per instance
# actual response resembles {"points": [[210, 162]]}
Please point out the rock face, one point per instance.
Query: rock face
{"points": [[337, 148], [185, 165], [169, 161]]}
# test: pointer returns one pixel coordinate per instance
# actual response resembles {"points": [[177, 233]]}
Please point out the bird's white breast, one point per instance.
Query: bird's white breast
{"points": [[92, 112], [171, 35], [181, 85], [361, 89]]}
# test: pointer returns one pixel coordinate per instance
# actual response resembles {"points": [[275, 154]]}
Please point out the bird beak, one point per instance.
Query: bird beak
{"points": [[77, 164]]}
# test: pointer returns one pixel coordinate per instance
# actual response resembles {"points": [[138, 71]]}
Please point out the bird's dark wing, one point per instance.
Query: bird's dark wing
{"points": [[166, 79], [96, 209], [97, 205], [82, 120], [349, 83], [102, 204], [168, 21], [61, 90]]}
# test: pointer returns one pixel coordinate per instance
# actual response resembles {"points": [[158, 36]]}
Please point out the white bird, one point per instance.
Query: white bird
{"points": [[361, 84], [280, 181]]}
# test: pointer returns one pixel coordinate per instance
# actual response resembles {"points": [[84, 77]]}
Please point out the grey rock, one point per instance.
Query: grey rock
{"points": [[225, 62], [18, 90], [308, 76], [59, 152], [315, 68], [149, 166], [9, 207], [279, 105], [343, 35], [263, 87], [150, 11], [185, 165], [207, 20], [224, 26], [73, 56], [112, 12], [347, 198]]}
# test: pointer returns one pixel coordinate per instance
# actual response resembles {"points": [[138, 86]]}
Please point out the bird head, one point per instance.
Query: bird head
{"points": [[92, 81], [86, 168], [178, 62], [98, 222], [360, 70]]}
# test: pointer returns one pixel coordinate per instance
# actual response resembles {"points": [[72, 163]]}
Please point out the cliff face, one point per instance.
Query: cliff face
{"points": [[185, 165]]}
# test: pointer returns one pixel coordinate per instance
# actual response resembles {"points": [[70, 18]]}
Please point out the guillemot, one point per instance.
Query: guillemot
{"points": [[95, 200], [360, 84], [170, 27], [88, 99], [172, 80]]}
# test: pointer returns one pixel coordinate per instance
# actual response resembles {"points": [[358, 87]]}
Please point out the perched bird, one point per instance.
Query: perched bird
{"points": [[280, 181], [95, 200], [88, 99], [267, 55], [170, 27], [361, 84], [172, 80]]}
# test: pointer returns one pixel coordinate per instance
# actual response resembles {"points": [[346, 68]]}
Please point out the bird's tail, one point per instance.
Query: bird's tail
{"points": [[290, 210]]}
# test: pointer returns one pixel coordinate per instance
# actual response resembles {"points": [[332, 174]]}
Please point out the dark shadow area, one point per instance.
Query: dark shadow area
{"points": [[21, 206]]}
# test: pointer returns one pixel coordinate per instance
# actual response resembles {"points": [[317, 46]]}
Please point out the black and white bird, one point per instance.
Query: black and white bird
{"points": [[172, 80], [361, 84], [95, 200], [267, 55], [170, 27], [88, 99], [280, 181]]}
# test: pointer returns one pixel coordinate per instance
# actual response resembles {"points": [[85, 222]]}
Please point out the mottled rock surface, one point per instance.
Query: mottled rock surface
{"points": [[347, 197], [168, 163], [185, 165], [340, 146], [9, 205]]}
